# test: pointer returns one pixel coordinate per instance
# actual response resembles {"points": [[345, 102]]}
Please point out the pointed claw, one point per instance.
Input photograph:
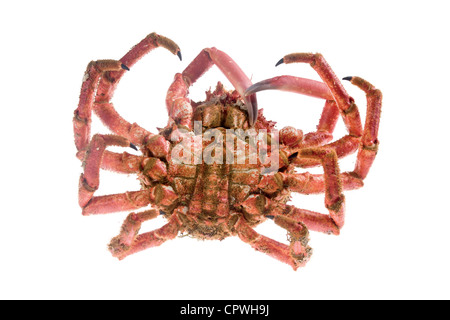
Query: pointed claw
{"points": [[179, 55], [347, 78], [132, 146], [260, 86], [279, 62], [124, 67], [252, 108]]}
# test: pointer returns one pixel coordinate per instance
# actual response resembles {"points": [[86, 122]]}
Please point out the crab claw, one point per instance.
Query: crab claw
{"points": [[252, 108], [304, 86]]}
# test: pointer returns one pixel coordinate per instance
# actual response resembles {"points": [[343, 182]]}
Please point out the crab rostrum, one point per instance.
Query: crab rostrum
{"points": [[219, 168]]}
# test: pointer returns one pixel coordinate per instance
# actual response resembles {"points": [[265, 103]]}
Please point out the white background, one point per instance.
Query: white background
{"points": [[394, 244]]}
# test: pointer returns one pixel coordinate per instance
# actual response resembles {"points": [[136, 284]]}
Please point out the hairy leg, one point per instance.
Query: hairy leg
{"points": [[331, 183], [99, 83], [129, 241], [296, 254], [90, 180], [369, 142], [82, 115]]}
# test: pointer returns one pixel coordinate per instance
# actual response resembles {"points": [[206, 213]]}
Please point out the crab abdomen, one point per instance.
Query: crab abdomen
{"points": [[212, 196]]}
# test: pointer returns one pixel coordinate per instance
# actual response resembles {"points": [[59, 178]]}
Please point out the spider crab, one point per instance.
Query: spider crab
{"points": [[217, 200]]}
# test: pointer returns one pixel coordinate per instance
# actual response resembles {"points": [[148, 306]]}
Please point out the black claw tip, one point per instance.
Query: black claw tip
{"points": [[179, 55], [124, 67], [347, 78], [279, 62], [162, 213], [132, 146], [270, 217]]}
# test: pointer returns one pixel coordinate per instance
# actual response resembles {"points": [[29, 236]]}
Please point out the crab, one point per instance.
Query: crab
{"points": [[212, 200]]}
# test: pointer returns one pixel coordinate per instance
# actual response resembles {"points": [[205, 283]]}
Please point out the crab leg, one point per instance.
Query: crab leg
{"points": [[347, 107], [343, 147], [111, 79], [129, 241], [330, 114], [178, 105], [369, 146], [296, 254], [118, 162], [99, 83], [116, 202], [345, 103], [314, 221], [306, 183], [121, 162], [329, 117], [90, 180], [334, 199], [111, 118], [160, 195], [82, 115]]}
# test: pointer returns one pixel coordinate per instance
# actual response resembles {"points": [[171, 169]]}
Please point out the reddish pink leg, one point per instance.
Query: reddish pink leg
{"points": [[313, 220], [111, 119], [100, 81], [117, 202], [325, 128], [350, 143], [109, 82], [306, 183], [369, 146], [89, 181], [118, 162], [330, 114], [129, 241], [160, 195], [343, 147], [329, 117], [178, 105], [296, 254], [334, 199], [345, 103], [82, 117]]}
